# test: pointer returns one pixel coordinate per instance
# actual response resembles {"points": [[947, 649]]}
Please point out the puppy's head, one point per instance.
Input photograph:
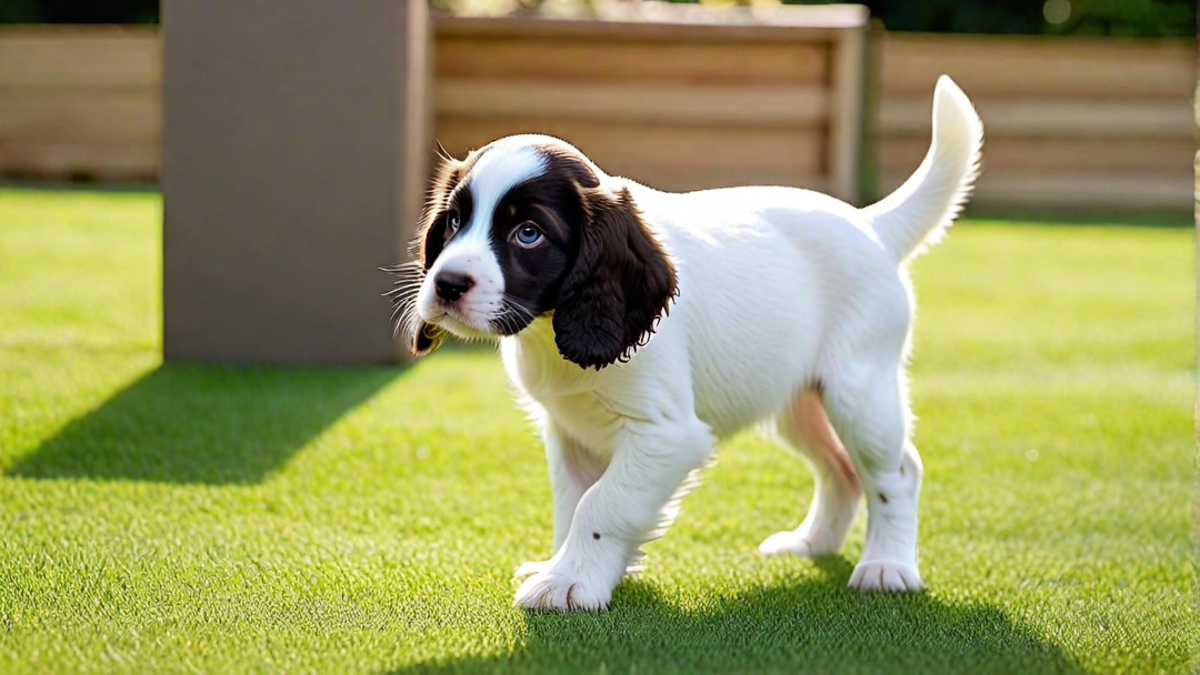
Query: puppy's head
{"points": [[525, 227]]}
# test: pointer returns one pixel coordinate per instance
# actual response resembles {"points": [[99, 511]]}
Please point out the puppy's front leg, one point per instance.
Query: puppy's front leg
{"points": [[633, 502], [573, 469]]}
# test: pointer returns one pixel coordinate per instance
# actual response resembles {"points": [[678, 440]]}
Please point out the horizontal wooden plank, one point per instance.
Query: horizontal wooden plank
{"points": [[79, 114], [1049, 117], [102, 161], [665, 21], [1169, 191], [1040, 66], [79, 57], [668, 157], [634, 102], [552, 59], [1111, 155]]}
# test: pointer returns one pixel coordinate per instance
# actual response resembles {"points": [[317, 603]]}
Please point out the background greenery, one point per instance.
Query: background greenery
{"points": [[162, 518], [1098, 17]]}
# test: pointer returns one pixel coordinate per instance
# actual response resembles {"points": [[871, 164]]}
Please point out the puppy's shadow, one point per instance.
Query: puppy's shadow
{"points": [[805, 624]]}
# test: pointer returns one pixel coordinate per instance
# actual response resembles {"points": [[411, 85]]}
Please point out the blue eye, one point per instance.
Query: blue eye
{"points": [[528, 234]]}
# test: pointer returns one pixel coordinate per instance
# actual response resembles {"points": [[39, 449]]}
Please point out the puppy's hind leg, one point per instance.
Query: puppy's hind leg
{"points": [[869, 409], [804, 427]]}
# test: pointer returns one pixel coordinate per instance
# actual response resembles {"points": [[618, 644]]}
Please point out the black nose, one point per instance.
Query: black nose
{"points": [[451, 285]]}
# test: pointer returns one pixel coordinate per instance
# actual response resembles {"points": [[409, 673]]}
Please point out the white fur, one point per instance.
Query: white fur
{"points": [[783, 294]]}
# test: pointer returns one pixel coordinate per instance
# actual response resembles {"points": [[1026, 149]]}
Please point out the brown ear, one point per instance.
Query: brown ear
{"points": [[621, 283], [431, 233]]}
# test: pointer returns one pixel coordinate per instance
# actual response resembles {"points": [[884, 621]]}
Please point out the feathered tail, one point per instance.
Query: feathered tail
{"points": [[919, 211]]}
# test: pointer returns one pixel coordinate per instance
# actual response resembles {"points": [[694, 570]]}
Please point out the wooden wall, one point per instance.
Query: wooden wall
{"points": [[79, 102], [1071, 122], [682, 107], [1078, 122]]}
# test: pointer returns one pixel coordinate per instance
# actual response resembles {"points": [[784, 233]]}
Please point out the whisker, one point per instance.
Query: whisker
{"points": [[512, 315], [402, 289], [408, 321], [508, 323], [410, 273], [404, 299], [402, 268], [398, 316], [513, 304], [441, 151]]}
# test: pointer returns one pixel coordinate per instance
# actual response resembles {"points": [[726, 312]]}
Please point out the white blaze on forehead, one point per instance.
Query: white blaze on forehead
{"points": [[501, 168]]}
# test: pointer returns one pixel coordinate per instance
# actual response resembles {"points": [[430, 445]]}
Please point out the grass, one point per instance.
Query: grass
{"points": [[188, 518]]}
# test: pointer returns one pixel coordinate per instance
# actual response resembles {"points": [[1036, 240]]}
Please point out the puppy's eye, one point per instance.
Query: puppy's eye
{"points": [[452, 221], [528, 235]]}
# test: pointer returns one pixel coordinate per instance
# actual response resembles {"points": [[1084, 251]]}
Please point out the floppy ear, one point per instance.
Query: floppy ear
{"points": [[621, 283], [431, 233]]}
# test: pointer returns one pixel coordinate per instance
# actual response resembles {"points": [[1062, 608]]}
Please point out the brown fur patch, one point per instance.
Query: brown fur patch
{"points": [[621, 283]]}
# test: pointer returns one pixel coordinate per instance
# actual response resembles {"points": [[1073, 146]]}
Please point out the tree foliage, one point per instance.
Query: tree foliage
{"points": [[1094, 17], [1091, 17]]}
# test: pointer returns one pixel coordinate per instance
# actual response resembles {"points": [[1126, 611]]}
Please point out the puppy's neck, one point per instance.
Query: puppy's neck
{"points": [[536, 366]]}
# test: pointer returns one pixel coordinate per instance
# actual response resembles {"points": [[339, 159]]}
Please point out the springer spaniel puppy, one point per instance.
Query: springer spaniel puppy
{"points": [[641, 327]]}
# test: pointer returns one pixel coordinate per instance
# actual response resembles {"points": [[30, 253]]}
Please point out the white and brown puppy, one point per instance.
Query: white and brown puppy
{"points": [[769, 305]]}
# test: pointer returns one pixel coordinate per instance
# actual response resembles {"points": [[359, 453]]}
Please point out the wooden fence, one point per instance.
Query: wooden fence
{"points": [[80, 102], [1070, 122], [1080, 122], [681, 106]]}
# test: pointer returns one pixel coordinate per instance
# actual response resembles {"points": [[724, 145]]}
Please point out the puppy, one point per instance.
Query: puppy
{"points": [[641, 327]]}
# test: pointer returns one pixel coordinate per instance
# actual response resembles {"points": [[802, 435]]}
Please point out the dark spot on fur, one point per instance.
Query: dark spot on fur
{"points": [[596, 536], [883, 498]]}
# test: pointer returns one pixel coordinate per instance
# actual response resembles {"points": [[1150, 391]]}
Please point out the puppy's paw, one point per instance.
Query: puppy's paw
{"points": [[885, 575], [787, 541], [799, 542], [555, 589], [528, 569]]}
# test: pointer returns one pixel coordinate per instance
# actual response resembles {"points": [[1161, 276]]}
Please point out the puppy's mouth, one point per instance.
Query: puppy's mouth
{"points": [[508, 319], [427, 321], [458, 323], [454, 323], [427, 337]]}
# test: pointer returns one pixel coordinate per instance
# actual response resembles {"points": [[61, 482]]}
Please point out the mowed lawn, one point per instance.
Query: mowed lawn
{"points": [[184, 518]]}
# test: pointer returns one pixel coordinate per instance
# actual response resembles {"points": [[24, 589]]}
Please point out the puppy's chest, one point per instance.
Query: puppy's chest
{"points": [[578, 410], [569, 395]]}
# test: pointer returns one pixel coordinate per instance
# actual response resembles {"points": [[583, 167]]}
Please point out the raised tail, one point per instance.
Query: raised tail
{"points": [[919, 211]]}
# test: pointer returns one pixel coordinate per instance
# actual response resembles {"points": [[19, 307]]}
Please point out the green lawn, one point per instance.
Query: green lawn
{"points": [[170, 518]]}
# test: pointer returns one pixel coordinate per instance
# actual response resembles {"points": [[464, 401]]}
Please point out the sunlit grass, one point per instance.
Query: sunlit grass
{"points": [[188, 518]]}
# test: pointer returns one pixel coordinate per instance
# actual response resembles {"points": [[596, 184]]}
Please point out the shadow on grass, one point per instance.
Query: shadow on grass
{"points": [[800, 626], [203, 424]]}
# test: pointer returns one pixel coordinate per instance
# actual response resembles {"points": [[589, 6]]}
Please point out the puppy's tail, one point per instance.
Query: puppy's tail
{"points": [[919, 211]]}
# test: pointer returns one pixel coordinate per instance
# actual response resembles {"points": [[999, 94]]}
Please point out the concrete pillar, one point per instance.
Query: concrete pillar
{"points": [[295, 151]]}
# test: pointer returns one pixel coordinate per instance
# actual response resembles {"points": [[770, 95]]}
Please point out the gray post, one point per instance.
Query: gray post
{"points": [[295, 145]]}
